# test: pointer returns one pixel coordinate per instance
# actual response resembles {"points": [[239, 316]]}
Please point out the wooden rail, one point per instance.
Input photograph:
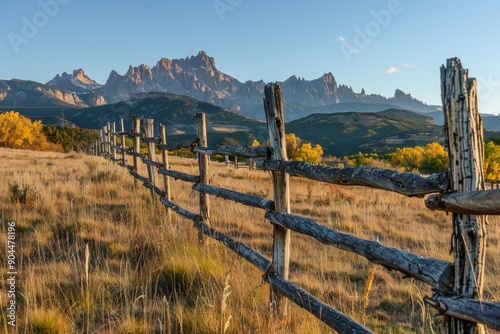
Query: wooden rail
{"points": [[437, 273], [410, 184]]}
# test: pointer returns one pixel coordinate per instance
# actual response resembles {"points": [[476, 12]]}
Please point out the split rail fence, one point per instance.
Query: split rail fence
{"points": [[457, 286]]}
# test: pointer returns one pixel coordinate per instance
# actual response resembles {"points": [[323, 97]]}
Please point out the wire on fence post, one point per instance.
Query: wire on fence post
{"points": [[273, 106]]}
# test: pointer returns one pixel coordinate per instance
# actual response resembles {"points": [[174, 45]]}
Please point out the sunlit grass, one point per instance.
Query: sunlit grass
{"points": [[146, 275]]}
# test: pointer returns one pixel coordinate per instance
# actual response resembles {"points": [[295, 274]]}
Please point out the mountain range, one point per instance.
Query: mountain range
{"points": [[198, 77], [338, 133], [171, 92]]}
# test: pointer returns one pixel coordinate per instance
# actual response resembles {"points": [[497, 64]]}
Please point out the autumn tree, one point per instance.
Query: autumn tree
{"points": [[298, 151], [491, 164], [17, 131], [308, 153], [408, 158], [255, 142], [434, 159], [292, 144]]}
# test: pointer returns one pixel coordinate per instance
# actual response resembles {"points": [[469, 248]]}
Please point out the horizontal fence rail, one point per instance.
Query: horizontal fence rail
{"points": [[486, 202], [410, 184], [250, 200], [438, 274]]}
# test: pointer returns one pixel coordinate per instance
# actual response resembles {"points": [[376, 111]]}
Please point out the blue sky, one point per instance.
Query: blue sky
{"points": [[378, 45]]}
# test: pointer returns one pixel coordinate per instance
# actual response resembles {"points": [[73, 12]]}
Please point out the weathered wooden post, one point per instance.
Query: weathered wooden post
{"points": [[137, 146], [113, 142], [103, 142], [236, 162], [201, 128], [166, 178], [102, 134], [100, 139], [124, 147], [273, 106], [464, 132], [108, 140], [226, 160], [149, 133]]}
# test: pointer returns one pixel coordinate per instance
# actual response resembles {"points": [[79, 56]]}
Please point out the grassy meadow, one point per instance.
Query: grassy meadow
{"points": [[96, 255]]}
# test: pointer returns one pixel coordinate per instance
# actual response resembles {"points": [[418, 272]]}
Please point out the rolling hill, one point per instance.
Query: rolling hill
{"points": [[349, 133], [177, 113], [339, 133]]}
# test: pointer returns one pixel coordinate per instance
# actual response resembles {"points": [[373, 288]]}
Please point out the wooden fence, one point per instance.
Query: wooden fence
{"points": [[457, 286]]}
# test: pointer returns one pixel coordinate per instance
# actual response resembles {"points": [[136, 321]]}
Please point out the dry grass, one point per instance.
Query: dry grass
{"points": [[97, 255]]}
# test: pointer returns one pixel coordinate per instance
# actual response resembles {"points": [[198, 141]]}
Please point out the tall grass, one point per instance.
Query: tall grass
{"points": [[96, 257]]}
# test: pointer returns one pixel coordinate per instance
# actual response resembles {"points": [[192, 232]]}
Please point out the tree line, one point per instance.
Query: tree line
{"points": [[19, 132]]}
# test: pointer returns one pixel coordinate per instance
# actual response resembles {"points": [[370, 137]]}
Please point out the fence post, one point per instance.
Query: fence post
{"points": [[226, 160], [99, 143], [464, 135], [166, 178], [236, 162], [103, 143], [273, 106], [124, 154], [113, 143], [201, 129], [149, 132], [137, 145], [108, 140]]}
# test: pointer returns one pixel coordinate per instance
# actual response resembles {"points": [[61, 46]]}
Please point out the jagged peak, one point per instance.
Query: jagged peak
{"points": [[77, 77], [164, 63], [400, 95], [204, 59], [202, 54], [78, 73], [328, 75]]}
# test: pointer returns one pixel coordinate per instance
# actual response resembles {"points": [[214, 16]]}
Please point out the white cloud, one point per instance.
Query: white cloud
{"points": [[391, 70], [409, 65], [342, 39]]}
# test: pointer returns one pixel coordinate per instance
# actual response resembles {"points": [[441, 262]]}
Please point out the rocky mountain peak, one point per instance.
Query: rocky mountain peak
{"points": [[79, 73], [400, 95], [328, 78], [77, 82], [164, 64], [205, 60], [198, 77]]}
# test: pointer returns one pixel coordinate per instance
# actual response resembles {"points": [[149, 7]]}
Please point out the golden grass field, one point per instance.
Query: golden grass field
{"points": [[96, 255]]}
